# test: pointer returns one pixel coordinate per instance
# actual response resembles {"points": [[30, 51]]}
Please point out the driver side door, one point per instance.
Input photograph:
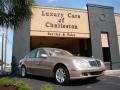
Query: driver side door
{"points": [[42, 64]]}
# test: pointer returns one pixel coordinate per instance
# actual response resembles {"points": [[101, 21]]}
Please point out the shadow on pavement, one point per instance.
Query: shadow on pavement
{"points": [[72, 82], [81, 82]]}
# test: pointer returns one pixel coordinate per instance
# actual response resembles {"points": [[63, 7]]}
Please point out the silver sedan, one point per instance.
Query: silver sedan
{"points": [[60, 64]]}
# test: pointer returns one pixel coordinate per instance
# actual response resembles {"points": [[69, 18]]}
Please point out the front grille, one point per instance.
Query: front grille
{"points": [[96, 73], [95, 63]]}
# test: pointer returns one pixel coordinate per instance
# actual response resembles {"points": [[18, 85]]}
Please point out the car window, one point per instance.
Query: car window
{"points": [[33, 54], [40, 52], [27, 56], [57, 52]]}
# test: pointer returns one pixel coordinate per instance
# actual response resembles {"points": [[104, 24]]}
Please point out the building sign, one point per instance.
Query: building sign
{"points": [[60, 25], [59, 22], [61, 34]]}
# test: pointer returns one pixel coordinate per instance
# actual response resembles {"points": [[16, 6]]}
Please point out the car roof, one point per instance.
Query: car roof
{"points": [[48, 48]]}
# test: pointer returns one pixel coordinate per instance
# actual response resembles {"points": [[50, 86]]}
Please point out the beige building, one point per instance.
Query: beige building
{"points": [[117, 21], [59, 27], [92, 32]]}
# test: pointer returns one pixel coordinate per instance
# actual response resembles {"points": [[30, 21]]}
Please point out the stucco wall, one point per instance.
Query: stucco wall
{"points": [[101, 19], [21, 41], [117, 21], [43, 17]]}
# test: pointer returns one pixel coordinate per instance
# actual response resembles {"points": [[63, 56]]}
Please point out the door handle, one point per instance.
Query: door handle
{"points": [[37, 63]]}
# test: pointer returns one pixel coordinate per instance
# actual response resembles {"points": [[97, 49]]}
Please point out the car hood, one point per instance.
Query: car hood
{"points": [[75, 58]]}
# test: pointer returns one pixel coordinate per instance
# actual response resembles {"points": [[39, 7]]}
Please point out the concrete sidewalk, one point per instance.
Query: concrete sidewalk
{"points": [[112, 73]]}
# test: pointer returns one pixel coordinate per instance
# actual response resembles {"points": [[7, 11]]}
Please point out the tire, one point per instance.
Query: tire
{"points": [[23, 71], [61, 75], [92, 79]]}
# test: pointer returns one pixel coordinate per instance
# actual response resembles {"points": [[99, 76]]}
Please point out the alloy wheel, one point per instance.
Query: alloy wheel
{"points": [[60, 75]]}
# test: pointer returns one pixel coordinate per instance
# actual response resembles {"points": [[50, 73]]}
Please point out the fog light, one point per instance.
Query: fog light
{"points": [[85, 74]]}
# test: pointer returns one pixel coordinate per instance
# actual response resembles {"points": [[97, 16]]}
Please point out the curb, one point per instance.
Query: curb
{"points": [[112, 72]]}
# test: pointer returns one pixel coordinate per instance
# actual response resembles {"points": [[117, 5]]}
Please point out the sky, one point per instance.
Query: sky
{"points": [[78, 4], [9, 44]]}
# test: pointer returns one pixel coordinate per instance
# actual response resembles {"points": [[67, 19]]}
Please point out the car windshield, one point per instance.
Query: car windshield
{"points": [[57, 52]]}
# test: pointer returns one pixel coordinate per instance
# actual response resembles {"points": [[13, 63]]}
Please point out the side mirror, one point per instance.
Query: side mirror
{"points": [[44, 55]]}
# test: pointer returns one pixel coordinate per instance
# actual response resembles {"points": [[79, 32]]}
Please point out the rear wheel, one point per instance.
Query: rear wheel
{"points": [[61, 74], [23, 71]]}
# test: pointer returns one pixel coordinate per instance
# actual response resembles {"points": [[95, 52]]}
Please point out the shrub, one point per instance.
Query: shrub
{"points": [[46, 87], [5, 81], [21, 85]]}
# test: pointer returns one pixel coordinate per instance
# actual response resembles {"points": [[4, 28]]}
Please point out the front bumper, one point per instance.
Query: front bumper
{"points": [[86, 73]]}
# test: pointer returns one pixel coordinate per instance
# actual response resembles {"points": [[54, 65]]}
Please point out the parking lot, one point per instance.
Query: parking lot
{"points": [[102, 83]]}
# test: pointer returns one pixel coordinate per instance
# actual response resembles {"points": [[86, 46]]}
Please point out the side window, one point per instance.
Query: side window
{"points": [[33, 54], [27, 56], [40, 52]]}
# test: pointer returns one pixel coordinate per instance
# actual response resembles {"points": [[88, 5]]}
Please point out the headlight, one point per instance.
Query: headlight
{"points": [[80, 64], [102, 63]]}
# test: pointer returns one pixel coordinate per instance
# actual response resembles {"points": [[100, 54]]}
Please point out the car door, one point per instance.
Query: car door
{"points": [[30, 59], [42, 63]]}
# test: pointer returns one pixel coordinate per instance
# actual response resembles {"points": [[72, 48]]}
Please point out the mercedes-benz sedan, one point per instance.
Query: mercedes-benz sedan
{"points": [[60, 64]]}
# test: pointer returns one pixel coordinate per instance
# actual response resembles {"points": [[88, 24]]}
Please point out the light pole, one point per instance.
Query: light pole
{"points": [[5, 47], [2, 52]]}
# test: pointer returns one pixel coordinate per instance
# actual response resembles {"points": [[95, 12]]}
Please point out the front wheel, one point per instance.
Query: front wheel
{"points": [[61, 75]]}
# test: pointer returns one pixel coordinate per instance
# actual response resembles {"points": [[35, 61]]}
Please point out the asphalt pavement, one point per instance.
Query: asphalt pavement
{"points": [[109, 81], [102, 83]]}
